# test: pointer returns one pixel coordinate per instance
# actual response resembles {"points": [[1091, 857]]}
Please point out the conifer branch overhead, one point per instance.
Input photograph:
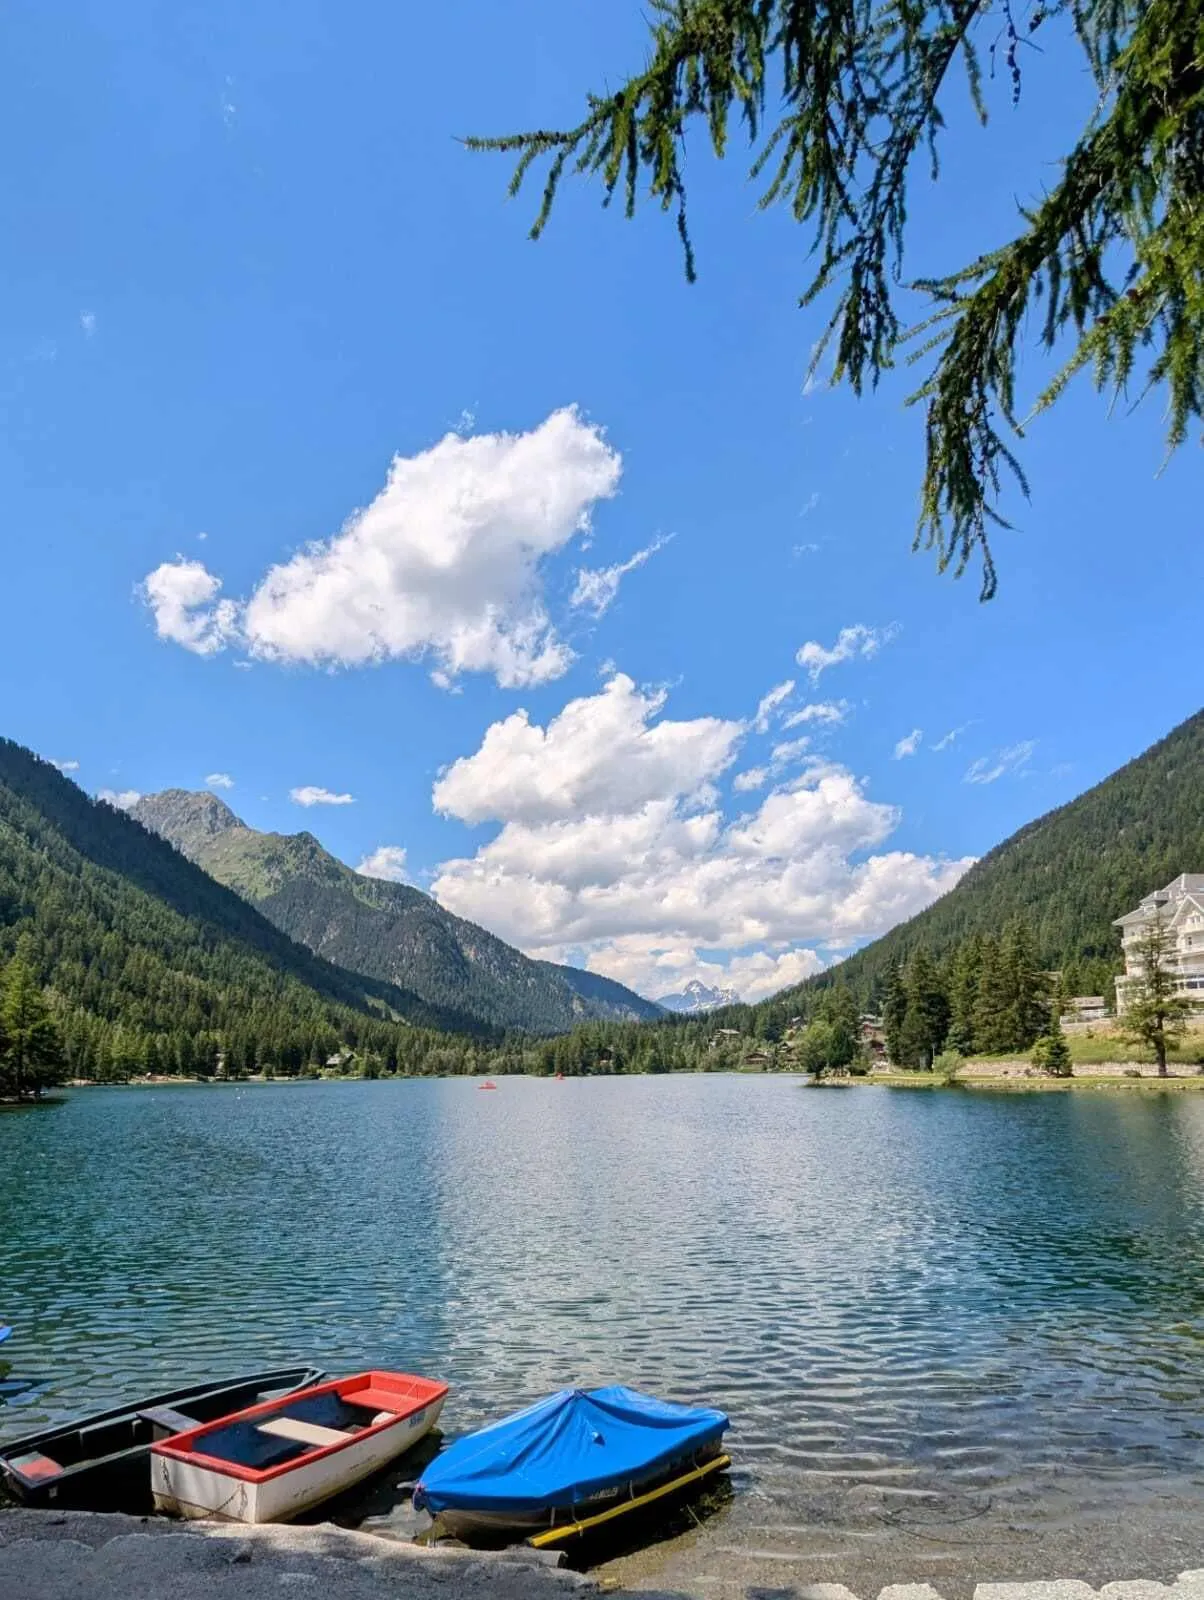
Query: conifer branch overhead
{"points": [[1113, 255]]}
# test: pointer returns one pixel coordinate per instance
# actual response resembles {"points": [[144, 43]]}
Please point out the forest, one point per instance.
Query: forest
{"points": [[148, 965]]}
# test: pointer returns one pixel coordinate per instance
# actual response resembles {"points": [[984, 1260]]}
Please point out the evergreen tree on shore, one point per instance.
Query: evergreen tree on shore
{"points": [[964, 969], [1155, 1014], [31, 1052]]}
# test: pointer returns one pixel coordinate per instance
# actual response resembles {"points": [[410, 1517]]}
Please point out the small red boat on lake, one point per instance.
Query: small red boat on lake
{"points": [[271, 1462]]}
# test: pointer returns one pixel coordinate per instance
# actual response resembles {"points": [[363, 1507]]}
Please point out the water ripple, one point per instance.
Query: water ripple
{"points": [[903, 1301]]}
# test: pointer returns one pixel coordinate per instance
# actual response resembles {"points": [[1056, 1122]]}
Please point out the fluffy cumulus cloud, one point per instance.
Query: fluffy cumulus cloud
{"points": [[611, 845], [219, 780], [311, 794], [852, 644], [1013, 758], [183, 598], [443, 565], [596, 587], [908, 744], [602, 755], [387, 861], [123, 799]]}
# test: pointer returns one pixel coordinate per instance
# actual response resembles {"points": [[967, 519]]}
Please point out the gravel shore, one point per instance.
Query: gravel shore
{"points": [[82, 1556]]}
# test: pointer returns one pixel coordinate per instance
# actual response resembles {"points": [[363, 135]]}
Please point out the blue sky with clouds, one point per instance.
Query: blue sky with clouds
{"points": [[316, 474]]}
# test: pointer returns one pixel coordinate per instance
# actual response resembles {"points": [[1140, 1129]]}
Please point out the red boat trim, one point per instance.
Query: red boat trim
{"points": [[180, 1447]]}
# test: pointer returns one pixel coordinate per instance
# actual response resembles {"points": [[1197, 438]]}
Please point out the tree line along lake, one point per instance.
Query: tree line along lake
{"points": [[931, 1317]]}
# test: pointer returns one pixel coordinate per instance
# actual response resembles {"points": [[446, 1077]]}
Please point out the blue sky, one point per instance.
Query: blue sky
{"points": [[249, 267]]}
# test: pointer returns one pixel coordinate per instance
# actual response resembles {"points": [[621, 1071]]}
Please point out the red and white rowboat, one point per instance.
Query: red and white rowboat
{"points": [[273, 1461]]}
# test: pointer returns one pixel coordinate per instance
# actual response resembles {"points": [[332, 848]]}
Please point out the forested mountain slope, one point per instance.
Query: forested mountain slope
{"points": [[149, 960], [387, 931], [1068, 874]]}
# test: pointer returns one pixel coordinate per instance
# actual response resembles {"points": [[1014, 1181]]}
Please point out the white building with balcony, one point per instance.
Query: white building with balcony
{"points": [[1181, 909]]}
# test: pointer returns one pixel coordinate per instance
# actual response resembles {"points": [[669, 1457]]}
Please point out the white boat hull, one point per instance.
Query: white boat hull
{"points": [[188, 1489]]}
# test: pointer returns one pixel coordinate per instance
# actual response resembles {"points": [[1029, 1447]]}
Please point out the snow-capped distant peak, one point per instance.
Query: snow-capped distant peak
{"points": [[698, 996]]}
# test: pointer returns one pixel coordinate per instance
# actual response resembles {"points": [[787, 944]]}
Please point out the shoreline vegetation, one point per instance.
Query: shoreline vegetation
{"points": [[1093, 1068]]}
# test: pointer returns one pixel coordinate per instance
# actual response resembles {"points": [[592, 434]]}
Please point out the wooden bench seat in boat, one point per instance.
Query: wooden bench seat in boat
{"points": [[169, 1419], [303, 1432]]}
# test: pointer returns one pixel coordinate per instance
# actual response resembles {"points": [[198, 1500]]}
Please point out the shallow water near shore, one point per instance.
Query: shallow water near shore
{"points": [[941, 1323]]}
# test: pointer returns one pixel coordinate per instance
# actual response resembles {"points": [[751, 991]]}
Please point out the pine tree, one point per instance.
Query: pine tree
{"points": [[1027, 985], [894, 1013], [838, 1008], [840, 102], [1051, 1053], [1155, 1012], [927, 1018], [964, 971], [993, 1016], [31, 1051]]}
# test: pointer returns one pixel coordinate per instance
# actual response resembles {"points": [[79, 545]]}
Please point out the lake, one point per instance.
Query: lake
{"points": [[937, 1319]]}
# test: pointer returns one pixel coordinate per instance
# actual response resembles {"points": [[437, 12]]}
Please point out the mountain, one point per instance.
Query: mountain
{"points": [[1068, 874], [697, 998], [150, 962], [387, 931]]}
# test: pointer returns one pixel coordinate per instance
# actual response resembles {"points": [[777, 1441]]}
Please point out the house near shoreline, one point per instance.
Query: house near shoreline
{"points": [[1180, 906], [1085, 1008]]}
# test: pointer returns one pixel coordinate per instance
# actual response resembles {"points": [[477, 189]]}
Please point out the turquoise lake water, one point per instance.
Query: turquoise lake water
{"points": [[942, 1301]]}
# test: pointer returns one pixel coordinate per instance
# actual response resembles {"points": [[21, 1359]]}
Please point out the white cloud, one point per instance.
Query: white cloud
{"points": [[909, 744], [597, 587], [1012, 758], [949, 738], [183, 597], [770, 703], [219, 780], [788, 752], [612, 848], [312, 795], [598, 756], [387, 861], [754, 778], [444, 564], [123, 799], [830, 711], [65, 766], [87, 321], [853, 643], [809, 549], [813, 500]]}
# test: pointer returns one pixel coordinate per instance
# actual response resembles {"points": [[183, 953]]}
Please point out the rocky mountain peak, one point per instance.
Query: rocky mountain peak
{"points": [[185, 817]]}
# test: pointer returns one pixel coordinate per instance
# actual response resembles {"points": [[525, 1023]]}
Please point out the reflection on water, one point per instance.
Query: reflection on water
{"points": [[924, 1303]]}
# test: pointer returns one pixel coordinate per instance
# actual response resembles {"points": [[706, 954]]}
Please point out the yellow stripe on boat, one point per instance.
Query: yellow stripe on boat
{"points": [[570, 1530]]}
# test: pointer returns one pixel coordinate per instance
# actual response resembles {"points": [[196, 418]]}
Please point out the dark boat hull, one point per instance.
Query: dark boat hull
{"points": [[102, 1462]]}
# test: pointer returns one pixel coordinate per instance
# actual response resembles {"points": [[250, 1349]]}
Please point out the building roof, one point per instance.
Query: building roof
{"points": [[1186, 885]]}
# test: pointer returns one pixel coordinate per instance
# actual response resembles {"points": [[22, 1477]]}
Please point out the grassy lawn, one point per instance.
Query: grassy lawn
{"points": [[1098, 1046]]}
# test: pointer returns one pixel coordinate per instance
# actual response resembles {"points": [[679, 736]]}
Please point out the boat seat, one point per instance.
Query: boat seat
{"points": [[172, 1421], [375, 1400], [303, 1432], [34, 1467]]}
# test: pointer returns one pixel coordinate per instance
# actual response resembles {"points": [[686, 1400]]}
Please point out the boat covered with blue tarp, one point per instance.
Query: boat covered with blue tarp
{"points": [[567, 1458]]}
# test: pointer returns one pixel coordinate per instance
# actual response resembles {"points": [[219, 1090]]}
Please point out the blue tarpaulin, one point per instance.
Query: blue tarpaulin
{"points": [[570, 1446]]}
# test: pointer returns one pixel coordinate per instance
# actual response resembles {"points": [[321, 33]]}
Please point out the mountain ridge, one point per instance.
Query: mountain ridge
{"points": [[1068, 873], [151, 964], [388, 931]]}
